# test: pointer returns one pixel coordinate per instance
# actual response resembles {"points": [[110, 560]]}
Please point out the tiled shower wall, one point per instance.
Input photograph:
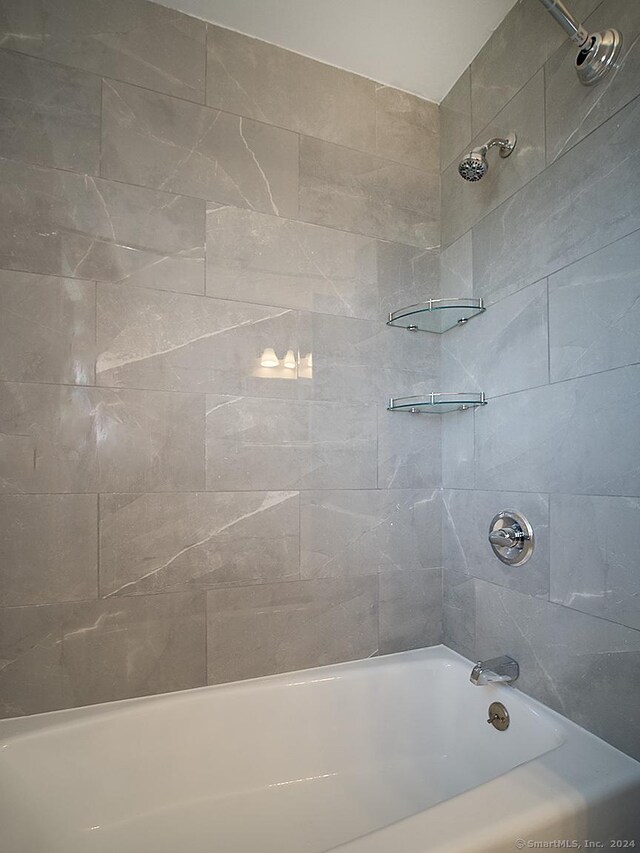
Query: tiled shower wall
{"points": [[550, 239], [176, 199]]}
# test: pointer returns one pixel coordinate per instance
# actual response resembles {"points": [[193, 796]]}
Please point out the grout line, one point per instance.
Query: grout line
{"points": [[548, 332], [98, 549], [525, 595], [28, 164], [550, 274], [544, 170]]}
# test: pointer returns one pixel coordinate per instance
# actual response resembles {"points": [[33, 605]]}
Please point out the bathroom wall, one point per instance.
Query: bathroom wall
{"points": [[550, 239], [176, 199]]}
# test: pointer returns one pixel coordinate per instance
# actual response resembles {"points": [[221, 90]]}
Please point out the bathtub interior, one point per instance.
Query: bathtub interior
{"points": [[295, 764]]}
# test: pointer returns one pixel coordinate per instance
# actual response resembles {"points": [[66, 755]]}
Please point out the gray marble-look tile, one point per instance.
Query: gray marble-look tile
{"points": [[47, 329], [56, 439], [168, 542], [362, 360], [49, 115], [410, 610], [458, 450], [261, 258], [409, 450], [459, 612], [258, 444], [407, 129], [48, 548], [455, 120], [261, 630], [503, 350], [132, 40], [346, 533], [574, 437], [580, 203], [594, 311], [79, 653], [60, 223], [169, 144], [464, 203], [465, 527], [406, 275], [573, 662], [595, 568], [517, 49], [270, 84], [364, 193], [574, 110], [456, 268], [177, 342]]}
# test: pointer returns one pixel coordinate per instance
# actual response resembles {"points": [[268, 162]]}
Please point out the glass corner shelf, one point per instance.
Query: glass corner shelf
{"points": [[437, 403], [436, 315]]}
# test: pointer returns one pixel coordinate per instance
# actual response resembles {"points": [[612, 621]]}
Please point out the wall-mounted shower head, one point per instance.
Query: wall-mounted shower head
{"points": [[599, 52], [475, 166]]}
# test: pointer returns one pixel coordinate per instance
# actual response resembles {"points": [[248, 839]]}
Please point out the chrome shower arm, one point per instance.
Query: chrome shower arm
{"points": [[563, 16], [503, 143]]}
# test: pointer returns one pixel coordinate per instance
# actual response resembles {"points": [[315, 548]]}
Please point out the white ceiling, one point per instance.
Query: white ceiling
{"points": [[421, 46]]}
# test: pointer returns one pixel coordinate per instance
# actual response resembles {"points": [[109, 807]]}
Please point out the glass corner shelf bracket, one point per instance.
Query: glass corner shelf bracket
{"points": [[437, 403], [436, 315]]}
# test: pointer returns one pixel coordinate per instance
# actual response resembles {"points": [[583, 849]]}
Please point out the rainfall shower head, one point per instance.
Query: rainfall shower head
{"points": [[475, 166]]}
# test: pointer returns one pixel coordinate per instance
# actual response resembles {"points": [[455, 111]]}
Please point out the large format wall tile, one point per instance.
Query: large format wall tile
{"points": [[456, 268], [267, 83], [458, 449], [66, 655], [257, 443], [56, 438], [503, 350], [59, 223], [362, 360], [364, 532], [410, 610], [576, 437], [406, 275], [132, 40], [573, 662], [409, 449], [594, 311], [273, 261], [162, 543], [173, 145], [47, 329], [176, 342], [407, 129], [574, 110], [464, 202], [455, 120], [48, 548], [360, 192], [466, 549], [261, 630], [458, 612], [513, 54], [167, 460], [49, 115], [582, 202], [595, 567]]}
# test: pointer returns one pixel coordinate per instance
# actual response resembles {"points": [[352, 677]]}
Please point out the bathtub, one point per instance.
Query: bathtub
{"points": [[390, 754]]}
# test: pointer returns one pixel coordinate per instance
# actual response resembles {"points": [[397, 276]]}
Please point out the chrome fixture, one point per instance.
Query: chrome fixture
{"points": [[498, 716], [598, 52], [511, 537], [502, 670], [474, 166]]}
